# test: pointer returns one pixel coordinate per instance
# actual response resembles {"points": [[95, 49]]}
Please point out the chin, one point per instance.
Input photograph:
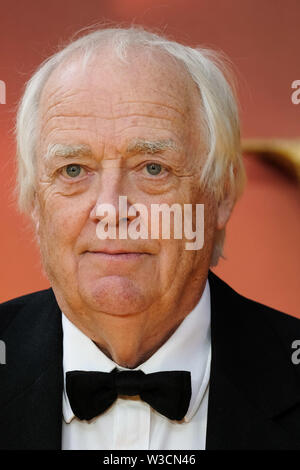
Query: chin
{"points": [[114, 295]]}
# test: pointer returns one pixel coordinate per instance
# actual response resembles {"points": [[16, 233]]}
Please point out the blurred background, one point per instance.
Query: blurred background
{"points": [[261, 38]]}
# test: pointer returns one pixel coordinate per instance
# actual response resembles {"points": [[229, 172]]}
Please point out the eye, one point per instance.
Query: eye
{"points": [[154, 168], [73, 170]]}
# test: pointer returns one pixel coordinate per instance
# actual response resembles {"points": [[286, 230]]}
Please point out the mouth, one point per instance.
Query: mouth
{"points": [[117, 255]]}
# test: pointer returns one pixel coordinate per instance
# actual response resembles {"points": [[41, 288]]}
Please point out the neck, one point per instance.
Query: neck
{"points": [[131, 339]]}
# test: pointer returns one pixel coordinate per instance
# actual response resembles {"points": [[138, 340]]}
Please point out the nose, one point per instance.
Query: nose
{"points": [[112, 201]]}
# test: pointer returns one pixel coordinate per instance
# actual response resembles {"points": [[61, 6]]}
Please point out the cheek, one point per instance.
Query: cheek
{"points": [[61, 221], [174, 261]]}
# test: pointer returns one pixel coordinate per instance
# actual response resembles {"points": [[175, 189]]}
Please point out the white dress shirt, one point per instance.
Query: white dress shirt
{"points": [[131, 424]]}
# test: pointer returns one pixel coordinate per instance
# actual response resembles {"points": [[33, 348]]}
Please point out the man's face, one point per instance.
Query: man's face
{"points": [[104, 115]]}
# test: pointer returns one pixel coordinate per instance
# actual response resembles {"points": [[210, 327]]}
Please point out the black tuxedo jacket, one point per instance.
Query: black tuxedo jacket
{"points": [[254, 396]]}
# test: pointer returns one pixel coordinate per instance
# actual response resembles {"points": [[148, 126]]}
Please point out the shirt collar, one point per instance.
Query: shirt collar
{"points": [[187, 349]]}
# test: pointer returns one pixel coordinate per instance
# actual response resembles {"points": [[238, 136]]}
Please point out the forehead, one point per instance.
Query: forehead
{"points": [[149, 89], [154, 72]]}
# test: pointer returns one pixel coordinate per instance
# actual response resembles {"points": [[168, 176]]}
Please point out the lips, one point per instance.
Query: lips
{"points": [[116, 254]]}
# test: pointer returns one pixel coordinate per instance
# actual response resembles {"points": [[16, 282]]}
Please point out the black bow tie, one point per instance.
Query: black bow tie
{"points": [[91, 393]]}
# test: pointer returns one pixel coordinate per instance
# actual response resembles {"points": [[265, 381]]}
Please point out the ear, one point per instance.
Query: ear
{"points": [[35, 214], [224, 210]]}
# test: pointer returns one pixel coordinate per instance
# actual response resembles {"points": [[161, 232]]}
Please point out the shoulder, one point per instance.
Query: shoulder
{"points": [[33, 302], [258, 319]]}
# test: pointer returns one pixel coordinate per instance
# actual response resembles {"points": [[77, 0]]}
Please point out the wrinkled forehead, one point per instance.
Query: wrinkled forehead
{"points": [[146, 75]]}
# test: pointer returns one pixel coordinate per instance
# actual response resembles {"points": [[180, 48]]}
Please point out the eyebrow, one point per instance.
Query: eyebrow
{"points": [[67, 151], [137, 146], [149, 146]]}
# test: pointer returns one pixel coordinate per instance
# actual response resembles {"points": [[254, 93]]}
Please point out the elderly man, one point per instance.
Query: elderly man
{"points": [[137, 345]]}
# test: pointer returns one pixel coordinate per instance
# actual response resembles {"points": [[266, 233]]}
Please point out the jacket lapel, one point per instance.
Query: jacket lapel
{"points": [[254, 400], [32, 379]]}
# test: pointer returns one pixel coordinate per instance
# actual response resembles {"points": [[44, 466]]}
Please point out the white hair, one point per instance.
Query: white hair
{"points": [[223, 170]]}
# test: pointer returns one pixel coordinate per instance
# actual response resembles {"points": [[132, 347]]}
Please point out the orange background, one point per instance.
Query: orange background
{"points": [[262, 39]]}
